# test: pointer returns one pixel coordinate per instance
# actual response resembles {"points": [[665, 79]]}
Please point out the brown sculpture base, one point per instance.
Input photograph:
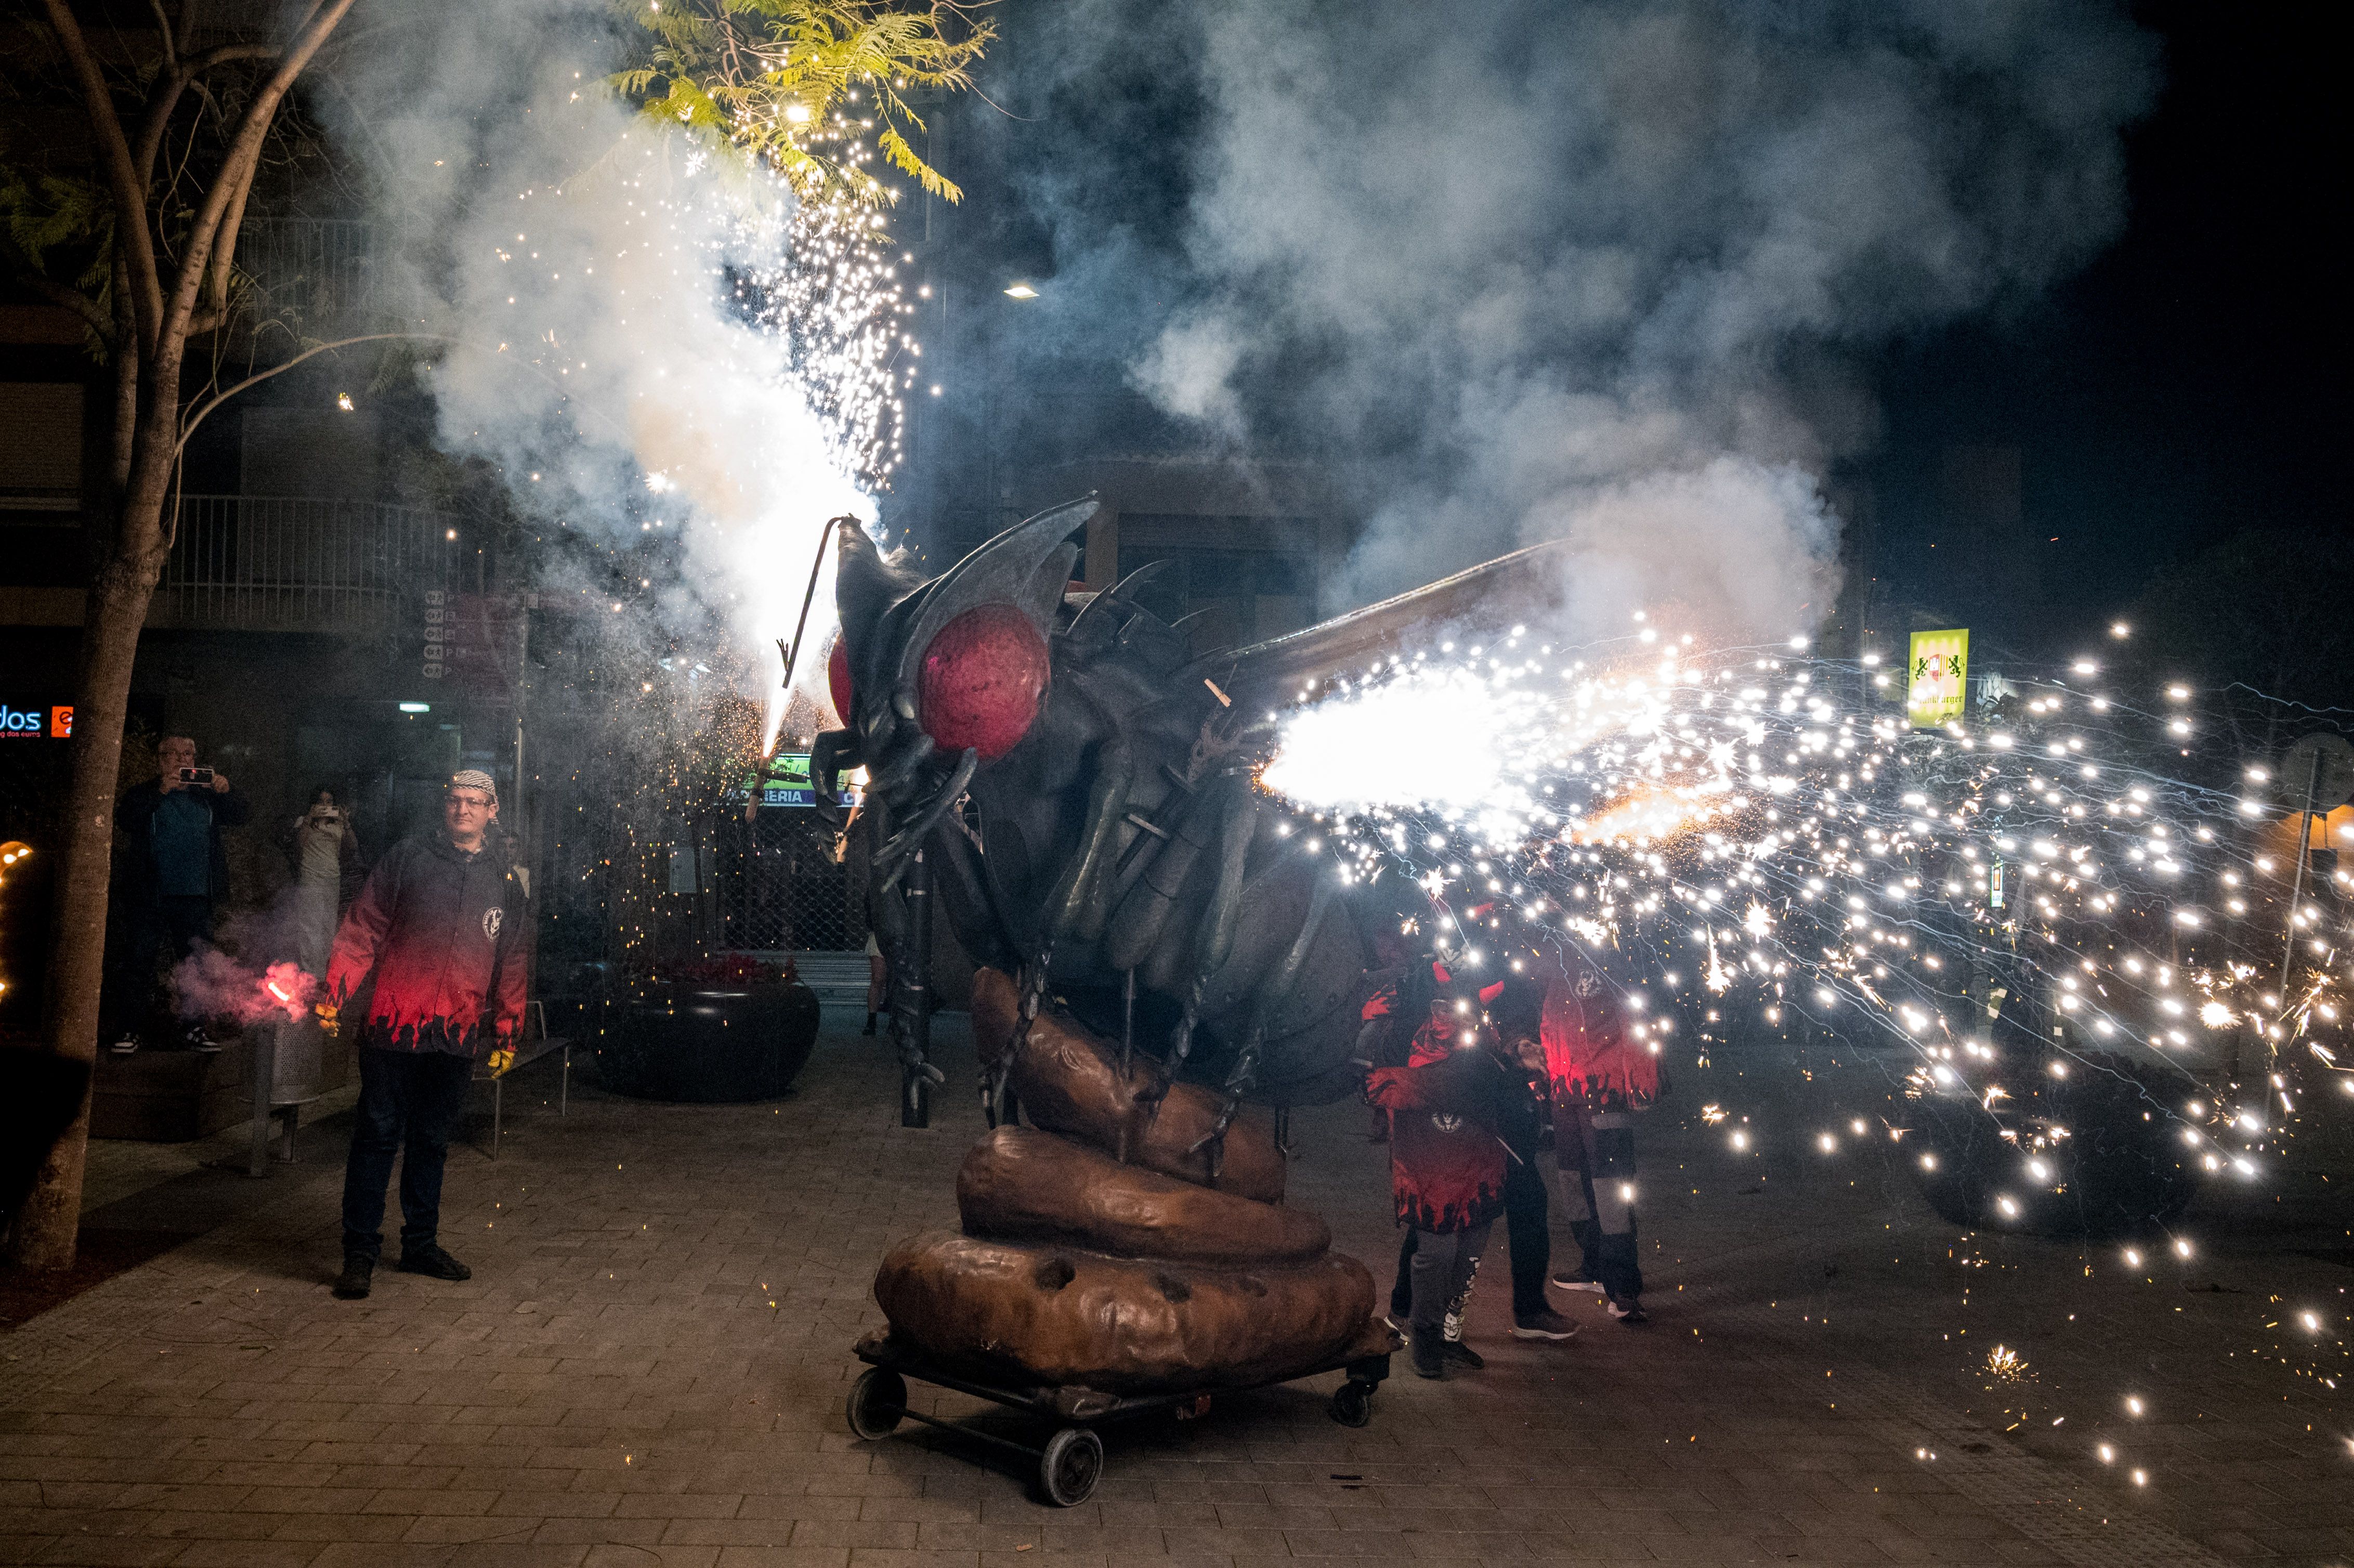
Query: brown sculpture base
{"points": [[1105, 1251]]}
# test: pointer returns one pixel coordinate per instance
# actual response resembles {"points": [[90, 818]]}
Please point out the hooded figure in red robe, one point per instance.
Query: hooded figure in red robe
{"points": [[1601, 1070], [1447, 1164], [1446, 1168], [1592, 1057]]}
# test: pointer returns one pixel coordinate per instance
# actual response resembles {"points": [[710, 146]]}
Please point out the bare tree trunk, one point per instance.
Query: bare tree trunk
{"points": [[44, 1234], [145, 454]]}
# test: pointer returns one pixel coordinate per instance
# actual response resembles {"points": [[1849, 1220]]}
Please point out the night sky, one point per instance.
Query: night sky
{"points": [[2188, 385]]}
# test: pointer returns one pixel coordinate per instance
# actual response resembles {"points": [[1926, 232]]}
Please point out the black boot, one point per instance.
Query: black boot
{"points": [[1429, 1353], [1460, 1354], [430, 1261], [353, 1283], [870, 1024]]}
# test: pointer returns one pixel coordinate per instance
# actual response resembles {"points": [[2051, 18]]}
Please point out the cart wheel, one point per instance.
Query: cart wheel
{"points": [[877, 1400], [1071, 1465], [1353, 1403]]}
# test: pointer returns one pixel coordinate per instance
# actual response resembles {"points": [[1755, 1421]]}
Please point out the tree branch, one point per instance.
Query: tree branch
{"points": [[79, 303], [225, 246], [169, 33], [165, 98], [121, 174], [237, 166], [217, 400], [221, 54]]}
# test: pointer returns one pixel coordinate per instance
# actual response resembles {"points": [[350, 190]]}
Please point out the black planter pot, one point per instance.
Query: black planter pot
{"points": [[2120, 1170], [711, 1044]]}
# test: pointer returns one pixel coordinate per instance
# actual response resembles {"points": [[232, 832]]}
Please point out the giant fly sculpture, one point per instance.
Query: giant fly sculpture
{"points": [[1079, 788], [1159, 946]]}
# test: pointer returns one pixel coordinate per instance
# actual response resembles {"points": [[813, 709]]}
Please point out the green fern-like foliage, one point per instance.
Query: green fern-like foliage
{"points": [[816, 89]]}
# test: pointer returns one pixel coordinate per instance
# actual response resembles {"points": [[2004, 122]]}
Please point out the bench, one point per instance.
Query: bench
{"points": [[536, 1044]]}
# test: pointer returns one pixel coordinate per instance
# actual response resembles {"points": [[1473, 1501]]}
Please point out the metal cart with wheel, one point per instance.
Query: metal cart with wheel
{"points": [[1072, 1460]]}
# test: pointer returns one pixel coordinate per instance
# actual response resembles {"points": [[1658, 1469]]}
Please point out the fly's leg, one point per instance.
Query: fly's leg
{"points": [[1238, 1083], [1214, 941], [1106, 802], [1272, 992]]}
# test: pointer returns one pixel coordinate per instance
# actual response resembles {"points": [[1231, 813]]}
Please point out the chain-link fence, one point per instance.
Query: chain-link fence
{"points": [[780, 889]]}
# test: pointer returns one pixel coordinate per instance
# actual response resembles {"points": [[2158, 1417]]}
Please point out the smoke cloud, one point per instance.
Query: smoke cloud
{"points": [[1595, 270], [610, 298], [208, 983]]}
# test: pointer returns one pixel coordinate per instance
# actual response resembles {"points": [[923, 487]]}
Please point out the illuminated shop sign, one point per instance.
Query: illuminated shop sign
{"points": [[36, 721], [786, 782]]}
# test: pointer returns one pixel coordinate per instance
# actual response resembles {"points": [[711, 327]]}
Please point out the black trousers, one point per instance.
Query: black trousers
{"points": [[1597, 1164], [128, 1001], [410, 1101], [1527, 1231]]}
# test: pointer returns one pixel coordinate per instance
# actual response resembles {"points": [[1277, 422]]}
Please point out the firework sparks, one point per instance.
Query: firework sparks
{"points": [[1755, 831]]}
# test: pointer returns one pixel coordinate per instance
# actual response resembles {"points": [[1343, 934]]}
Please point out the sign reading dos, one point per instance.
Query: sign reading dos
{"points": [[36, 721], [1936, 677], [786, 782]]}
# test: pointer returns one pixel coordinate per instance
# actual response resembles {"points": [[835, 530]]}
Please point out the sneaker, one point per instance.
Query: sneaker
{"points": [[1546, 1324], [1575, 1282], [1460, 1354], [433, 1263], [195, 1039], [1429, 1355], [353, 1283], [1628, 1312], [124, 1046]]}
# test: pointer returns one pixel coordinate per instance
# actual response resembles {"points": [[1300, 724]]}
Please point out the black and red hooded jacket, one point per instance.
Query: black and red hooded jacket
{"points": [[1592, 1058], [448, 937], [1447, 1164]]}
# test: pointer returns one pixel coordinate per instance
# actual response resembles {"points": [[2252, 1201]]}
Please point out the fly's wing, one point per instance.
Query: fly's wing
{"points": [[1520, 586]]}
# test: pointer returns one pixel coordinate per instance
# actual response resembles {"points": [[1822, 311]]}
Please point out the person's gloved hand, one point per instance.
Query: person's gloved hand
{"points": [[326, 1012], [502, 1061]]}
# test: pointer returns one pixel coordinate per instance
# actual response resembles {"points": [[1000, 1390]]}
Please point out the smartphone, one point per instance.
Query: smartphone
{"points": [[195, 774], [328, 819]]}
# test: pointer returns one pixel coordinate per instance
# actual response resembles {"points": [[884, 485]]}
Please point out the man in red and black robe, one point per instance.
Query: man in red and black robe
{"points": [[1602, 1071], [1447, 1167]]}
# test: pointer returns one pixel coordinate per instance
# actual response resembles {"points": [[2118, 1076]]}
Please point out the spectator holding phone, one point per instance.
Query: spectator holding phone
{"points": [[176, 872]]}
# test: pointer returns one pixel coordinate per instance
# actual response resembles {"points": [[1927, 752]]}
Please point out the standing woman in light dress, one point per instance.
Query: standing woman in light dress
{"points": [[326, 863]]}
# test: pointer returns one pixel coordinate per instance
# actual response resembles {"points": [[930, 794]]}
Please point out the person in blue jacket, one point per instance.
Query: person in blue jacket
{"points": [[175, 875]]}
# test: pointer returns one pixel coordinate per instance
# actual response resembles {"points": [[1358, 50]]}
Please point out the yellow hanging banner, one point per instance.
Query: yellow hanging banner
{"points": [[1937, 678]]}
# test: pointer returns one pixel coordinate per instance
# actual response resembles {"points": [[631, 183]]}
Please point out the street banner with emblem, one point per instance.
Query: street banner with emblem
{"points": [[1937, 677]]}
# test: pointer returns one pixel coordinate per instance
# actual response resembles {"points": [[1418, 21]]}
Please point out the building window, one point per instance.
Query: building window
{"points": [[41, 450]]}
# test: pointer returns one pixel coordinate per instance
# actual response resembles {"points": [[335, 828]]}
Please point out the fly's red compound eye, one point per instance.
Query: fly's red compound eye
{"points": [[981, 680]]}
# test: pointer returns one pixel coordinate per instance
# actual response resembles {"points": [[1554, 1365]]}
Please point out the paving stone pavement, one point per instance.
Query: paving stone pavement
{"points": [[649, 1363]]}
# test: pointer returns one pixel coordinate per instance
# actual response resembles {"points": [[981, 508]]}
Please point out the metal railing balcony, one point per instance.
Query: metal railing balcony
{"points": [[293, 563], [312, 272]]}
